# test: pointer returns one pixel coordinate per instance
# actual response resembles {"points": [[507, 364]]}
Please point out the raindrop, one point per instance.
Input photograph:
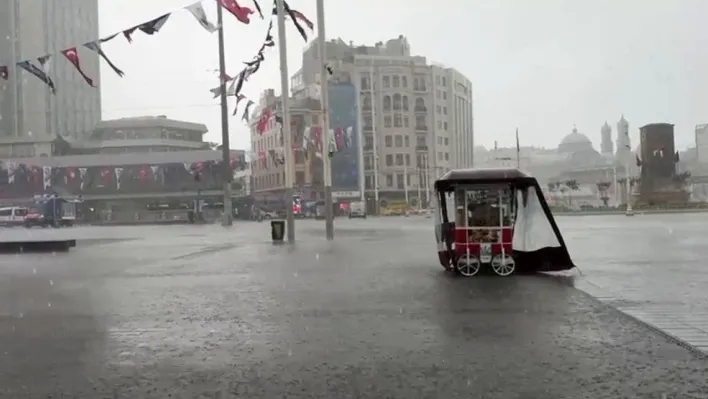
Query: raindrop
{"points": [[290, 352], [469, 383], [49, 304], [34, 271], [29, 133], [51, 282], [22, 315], [400, 310], [14, 328], [317, 256], [295, 274]]}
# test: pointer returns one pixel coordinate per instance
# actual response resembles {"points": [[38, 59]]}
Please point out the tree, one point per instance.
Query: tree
{"points": [[571, 185], [602, 188]]}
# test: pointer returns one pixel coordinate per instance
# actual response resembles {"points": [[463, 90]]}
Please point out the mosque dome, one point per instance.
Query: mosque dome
{"points": [[575, 142]]}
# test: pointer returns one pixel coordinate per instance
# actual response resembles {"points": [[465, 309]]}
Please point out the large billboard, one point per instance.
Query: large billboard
{"points": [[343, 114]]}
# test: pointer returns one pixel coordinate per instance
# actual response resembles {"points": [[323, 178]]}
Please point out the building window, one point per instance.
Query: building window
{"points": [[396, 82], [396, 102], [369, 162], [447, 141], [399, 159], [447, 156], [408, 159], [444, 110], [397, 120], [420, 105], [405, 103], [399, 181], [444, 81], [387, 103], [420, 122], [369, 182], [440, 140], [386, 82], [368, 142], [444, 95], [444, 125], [398, 141], [389, 180], [439, 124], [388, 141], [300, 178], [437, 80], [406, 122], [408, 178], [387, 121], [407, 141], [389, 159], [404, 82], [365, 83]]}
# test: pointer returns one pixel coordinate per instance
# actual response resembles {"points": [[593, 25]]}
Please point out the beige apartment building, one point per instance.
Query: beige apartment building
{"points": [[416, 119]]}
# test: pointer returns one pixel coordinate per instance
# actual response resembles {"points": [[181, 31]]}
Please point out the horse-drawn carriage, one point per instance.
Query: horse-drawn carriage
{"points": [[496, 218]]}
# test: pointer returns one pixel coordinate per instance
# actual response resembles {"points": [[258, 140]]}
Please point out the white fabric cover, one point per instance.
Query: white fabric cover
{"points": [[532, 228], [437, 219]]}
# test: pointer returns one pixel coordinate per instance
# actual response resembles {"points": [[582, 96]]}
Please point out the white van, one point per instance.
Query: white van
{"points": [[13, 215], [357, 209]]}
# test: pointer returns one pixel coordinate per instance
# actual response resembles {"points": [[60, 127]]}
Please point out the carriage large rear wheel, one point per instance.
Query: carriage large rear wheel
{"points": [[468, 265], [503, 265]]}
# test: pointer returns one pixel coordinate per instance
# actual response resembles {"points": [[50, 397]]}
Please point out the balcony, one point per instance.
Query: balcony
{"points": [[421, 147], [421, 109], [420, 88], [421, 128]]}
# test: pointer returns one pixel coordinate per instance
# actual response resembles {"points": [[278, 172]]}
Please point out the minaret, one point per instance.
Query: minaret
{"points": [[623, 142], [606, 147]]}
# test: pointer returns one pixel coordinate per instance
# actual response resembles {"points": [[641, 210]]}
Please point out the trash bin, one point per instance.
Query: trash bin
{"points": [[277, 230]]}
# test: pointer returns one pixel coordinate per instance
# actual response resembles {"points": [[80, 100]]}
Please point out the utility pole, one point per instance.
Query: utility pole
{"points": [[376, 139], [324, 98], [287, 138], [227, 175]]}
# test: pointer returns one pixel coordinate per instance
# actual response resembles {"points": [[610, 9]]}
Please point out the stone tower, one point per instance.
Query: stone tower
{"points": [[606, 147]]}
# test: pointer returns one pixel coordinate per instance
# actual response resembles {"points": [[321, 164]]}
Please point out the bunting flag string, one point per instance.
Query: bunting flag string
{"points": [[40, 69], [236, 82]]}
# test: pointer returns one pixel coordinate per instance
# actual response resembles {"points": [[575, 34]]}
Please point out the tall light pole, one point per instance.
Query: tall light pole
{"points": [[227, 218], [324, 98], [287, 139]]}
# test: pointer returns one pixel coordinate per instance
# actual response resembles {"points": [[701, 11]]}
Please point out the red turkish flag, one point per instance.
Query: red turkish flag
{"points": [[73, 56], [263, 121], [241, 13]]}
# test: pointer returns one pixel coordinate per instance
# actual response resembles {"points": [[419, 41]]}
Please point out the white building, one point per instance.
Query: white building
{"points": [[419, 116]]}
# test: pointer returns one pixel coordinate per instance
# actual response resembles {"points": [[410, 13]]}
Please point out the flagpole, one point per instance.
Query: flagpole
{"points": [[324, 98], [287, 139], [518, 150], [227, 175], [376, 139]]}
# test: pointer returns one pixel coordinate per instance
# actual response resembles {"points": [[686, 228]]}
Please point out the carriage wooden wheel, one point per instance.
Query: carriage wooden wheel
{"points": [[503, 264], [468, 265]]}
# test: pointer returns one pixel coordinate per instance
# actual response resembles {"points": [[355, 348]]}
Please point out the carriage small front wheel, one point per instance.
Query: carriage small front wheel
{"points": [[468, 265], [503, 265]]}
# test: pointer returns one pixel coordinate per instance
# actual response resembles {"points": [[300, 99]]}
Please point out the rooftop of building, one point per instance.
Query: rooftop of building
{"points": [[160, 121]]}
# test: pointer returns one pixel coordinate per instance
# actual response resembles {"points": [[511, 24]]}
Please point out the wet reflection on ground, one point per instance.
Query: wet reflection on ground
{"points": [[192, 310]]}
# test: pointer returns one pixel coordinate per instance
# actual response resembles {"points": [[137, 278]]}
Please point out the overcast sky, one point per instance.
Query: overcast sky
{"points": [[542, 65]]}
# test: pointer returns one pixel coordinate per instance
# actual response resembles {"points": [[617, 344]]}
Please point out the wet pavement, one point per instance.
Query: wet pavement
{"points": [[184, 311]]}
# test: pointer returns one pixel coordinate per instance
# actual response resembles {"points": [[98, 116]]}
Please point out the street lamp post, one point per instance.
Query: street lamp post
{"points": [[227, 176], [287, 139], [324, 98]]}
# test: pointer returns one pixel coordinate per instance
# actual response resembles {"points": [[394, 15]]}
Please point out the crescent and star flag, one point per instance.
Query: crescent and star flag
{"points": [[198, 11], [149, 28], [95, 46], [241, 13], [73, 56], [38, 73]]}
